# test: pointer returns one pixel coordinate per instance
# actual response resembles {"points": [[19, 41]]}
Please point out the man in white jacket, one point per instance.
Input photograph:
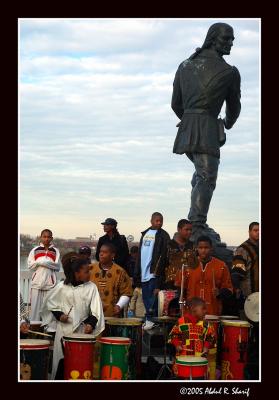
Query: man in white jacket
{"points": [[44, 260]]}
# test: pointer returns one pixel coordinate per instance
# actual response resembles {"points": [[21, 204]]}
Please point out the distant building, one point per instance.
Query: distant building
{"points": [[80, 241]]}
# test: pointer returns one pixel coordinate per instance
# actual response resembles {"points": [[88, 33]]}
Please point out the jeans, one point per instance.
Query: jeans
{"points": [[149, 300], [203, 185]]}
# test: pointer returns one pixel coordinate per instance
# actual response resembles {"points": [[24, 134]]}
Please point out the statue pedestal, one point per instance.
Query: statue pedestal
{"points": [[220, 249]]}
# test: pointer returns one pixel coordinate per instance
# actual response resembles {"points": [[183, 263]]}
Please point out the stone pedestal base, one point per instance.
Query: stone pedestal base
{"points": [[220, 249]]}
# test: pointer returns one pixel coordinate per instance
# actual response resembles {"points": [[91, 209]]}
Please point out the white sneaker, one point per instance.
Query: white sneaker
{"points": [[148, 325]]}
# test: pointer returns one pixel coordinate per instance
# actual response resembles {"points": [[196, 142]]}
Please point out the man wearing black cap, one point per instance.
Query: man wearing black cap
{"points": [[119, 241]]}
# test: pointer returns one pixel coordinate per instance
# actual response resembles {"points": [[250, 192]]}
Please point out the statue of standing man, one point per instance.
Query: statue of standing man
{"points": [[202, 84]]}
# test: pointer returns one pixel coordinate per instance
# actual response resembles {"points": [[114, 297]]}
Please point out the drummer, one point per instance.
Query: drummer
{"points": [[176, 247], [75, 304], [113, 282], [192, 335], [210, 280], [245, 268]]}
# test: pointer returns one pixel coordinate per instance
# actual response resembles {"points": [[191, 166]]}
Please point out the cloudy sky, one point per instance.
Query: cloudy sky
{"points": [[97, 129]]}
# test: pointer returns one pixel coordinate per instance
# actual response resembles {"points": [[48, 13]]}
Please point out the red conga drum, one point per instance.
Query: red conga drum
{"points": [[234, 349], [78, 356], [191, 368]]}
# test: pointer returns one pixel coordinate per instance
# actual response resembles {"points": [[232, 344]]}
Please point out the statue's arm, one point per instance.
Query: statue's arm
{"points": [[176, 101], [233, 105]]}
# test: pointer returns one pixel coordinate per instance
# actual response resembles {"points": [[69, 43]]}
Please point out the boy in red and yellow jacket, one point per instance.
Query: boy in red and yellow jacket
{"points": [[192, 335]]}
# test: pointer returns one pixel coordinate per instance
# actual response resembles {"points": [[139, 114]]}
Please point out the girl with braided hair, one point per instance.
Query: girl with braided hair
{"points": [[75, 304]]}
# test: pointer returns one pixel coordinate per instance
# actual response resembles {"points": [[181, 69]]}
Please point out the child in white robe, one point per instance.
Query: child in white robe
{"points": [[75, 304]]}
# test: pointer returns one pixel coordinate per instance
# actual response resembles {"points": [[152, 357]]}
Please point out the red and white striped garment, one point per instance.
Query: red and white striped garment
{"points": [[45, 263]]}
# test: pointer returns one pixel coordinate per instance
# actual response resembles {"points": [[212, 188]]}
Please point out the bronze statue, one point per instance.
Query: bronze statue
{"points": [[202, 84]]}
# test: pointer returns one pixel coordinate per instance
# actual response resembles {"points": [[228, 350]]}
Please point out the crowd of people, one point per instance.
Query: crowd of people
{"points": [[123, 282]]}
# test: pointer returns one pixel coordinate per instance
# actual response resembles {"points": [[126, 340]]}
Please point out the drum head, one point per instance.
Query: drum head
{"points": [[228, 317], [240, 324], [80, 337], [251, 307], [212, 318], [114, 340], [34, 343], [35, 322], [124, 321], [191, 360]]}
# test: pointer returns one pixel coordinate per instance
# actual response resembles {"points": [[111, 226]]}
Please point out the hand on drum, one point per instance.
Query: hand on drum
{"points": [[64, 318], [216, 292], [88, 328], [116, 310], [24, 327]]}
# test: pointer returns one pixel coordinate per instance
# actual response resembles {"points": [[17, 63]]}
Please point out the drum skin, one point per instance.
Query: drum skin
{"points": [[78, 358], [114, 355], [128, 328], [235, 335], [34, 358], [191, 368]]}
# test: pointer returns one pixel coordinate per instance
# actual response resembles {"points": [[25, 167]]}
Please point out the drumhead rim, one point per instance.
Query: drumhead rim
{"points": [[236, 323], [79, 337], [124, 321], [210, 317], [34, 343], [191, 360], [229, 317]]}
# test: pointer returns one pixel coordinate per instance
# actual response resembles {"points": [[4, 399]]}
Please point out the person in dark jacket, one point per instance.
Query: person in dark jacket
{"points": [[202, 83], [151, 264], [134, 251], [119, 241]]}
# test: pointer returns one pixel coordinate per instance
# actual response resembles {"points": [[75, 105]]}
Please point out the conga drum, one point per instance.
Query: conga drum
{"points": [[78, 356], [191, 368], [34, 357], [164, 299], [114, 355], [212, 353], [220, 335], [234, 349], [129, 328]]}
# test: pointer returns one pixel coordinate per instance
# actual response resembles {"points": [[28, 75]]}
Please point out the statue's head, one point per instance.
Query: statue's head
{"points": [[219, 37]]}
